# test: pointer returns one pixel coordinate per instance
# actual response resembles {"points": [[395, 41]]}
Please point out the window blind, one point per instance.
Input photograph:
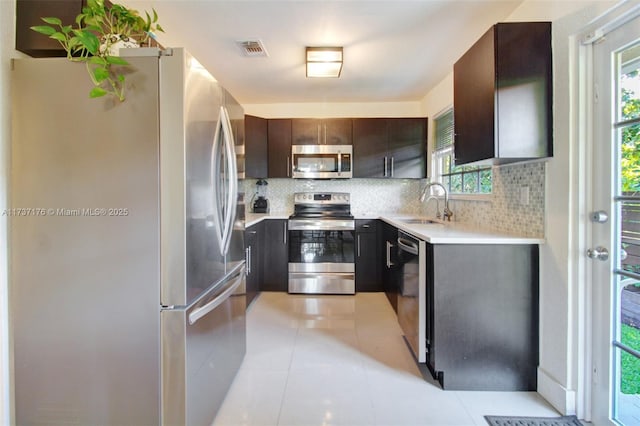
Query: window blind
{"points": [[444, 130]]}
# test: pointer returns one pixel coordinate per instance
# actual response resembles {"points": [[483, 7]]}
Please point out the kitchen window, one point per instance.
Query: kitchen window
{"points": [[457, 179]]}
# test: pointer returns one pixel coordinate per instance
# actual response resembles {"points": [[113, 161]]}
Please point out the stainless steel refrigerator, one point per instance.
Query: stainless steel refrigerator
{"points": [[127, 288]]}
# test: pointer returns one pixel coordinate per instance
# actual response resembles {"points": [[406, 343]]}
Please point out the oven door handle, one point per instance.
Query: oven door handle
{"points": [[321, 225]]}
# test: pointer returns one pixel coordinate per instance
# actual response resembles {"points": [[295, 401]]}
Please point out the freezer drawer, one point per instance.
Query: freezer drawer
{"points": [[202, 349]]}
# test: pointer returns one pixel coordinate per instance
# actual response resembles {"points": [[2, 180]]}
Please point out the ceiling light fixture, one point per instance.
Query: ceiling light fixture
{"points": [[324, 61]]}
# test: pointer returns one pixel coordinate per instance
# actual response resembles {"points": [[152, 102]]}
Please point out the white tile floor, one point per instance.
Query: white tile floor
{"points": [[341, 360]]}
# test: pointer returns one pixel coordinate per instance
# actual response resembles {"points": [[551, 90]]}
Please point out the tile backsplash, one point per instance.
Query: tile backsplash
{"points": [[509, 209]]}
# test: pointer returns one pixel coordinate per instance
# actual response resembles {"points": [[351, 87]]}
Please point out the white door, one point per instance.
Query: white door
{"points": [[615, 227]]}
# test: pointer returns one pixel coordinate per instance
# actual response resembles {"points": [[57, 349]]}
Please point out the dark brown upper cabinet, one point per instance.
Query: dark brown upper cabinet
{"points": [[390, 147], [256, 147], [502, 93], [333, 131], [28, 14], [279, 137]]}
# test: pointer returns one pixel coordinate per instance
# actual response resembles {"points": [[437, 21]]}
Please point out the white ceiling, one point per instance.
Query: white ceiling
{"points": [[394, 51]]}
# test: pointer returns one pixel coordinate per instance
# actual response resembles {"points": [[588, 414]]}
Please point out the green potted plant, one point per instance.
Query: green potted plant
{"points": [[99, 31]]}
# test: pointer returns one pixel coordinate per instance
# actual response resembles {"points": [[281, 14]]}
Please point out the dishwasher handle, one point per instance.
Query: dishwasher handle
{"points": [[408, 246]]}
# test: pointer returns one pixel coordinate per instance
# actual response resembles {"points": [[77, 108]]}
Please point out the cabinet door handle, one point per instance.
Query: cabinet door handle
{"points": [[391, 166], [385, 167], [284, 233], [364, 226], [325, 134], [319, 138], [247, 258], [389, 263], [358, 245], [289, 165]]}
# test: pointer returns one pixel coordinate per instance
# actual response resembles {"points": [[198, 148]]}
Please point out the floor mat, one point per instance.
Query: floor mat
{"points": [[532, 421]]}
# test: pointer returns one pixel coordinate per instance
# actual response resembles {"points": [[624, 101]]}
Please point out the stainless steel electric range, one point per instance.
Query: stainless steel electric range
{"points": [[322, 244]]}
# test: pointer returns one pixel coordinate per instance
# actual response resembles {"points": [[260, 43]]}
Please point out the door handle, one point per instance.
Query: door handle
{"points": [[248, 260], [599, 216], [232, 176], [218, 216], [284, 233], [358, 245], [599, 253], [389, 263], [232, 286]]}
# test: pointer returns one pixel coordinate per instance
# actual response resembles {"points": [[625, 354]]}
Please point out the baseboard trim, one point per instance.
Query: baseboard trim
{"points": [[561, 398]]}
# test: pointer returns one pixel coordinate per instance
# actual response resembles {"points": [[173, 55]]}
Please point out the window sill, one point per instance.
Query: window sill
{"points": [[472, 197]]}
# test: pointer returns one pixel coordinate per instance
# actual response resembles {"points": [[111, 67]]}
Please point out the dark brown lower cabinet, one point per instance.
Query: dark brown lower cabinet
{"points": [[276, 256], [254, 247], [482, 316], [367, 256], [390, 274]]}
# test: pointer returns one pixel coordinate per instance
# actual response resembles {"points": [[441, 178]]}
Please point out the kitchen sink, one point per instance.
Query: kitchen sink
{"points": [[421, 221]]}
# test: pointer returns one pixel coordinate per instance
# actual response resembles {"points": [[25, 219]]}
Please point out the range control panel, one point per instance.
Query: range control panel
{"points": [[321, 198]]}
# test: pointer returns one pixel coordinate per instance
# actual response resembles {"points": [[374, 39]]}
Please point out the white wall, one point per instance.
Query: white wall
{"points": [[7, 25], [558, 370]]}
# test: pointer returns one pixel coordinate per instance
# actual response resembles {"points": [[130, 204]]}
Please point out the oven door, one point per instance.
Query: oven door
{"points": [[321, 260]]}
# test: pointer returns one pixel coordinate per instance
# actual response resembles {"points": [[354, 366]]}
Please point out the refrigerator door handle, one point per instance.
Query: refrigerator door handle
{"points": [[202, 311], [215, 185], [224, 209], [231, 177]]}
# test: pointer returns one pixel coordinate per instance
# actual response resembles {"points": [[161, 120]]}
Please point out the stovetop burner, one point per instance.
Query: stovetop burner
{"points": [[321, 205]]}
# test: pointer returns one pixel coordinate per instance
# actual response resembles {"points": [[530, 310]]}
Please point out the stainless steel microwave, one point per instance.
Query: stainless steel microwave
{"points": [[321, 161]]}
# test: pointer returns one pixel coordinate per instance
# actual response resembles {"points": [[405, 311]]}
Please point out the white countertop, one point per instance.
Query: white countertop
{"points": [[457, 233], [253, 218], [434, 233]]}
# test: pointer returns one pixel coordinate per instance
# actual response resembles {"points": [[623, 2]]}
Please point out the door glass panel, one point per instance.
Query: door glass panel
{"points": [[628, 363], [630, 156], [626, 347], [629, 84], [630, 235]]}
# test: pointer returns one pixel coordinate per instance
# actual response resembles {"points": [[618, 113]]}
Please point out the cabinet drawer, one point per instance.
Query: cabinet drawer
{"points": [[366, 225]]}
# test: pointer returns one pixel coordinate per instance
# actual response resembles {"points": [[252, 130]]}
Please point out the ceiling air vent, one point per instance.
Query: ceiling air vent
{"points": [[253, 48]]}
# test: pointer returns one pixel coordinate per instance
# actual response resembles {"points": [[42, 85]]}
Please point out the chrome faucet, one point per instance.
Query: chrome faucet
{"points": [[447, 213], [433, 197]]}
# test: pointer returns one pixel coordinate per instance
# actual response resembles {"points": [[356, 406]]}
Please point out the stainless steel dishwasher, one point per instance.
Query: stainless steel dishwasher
{"points": [[412, 292]]}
